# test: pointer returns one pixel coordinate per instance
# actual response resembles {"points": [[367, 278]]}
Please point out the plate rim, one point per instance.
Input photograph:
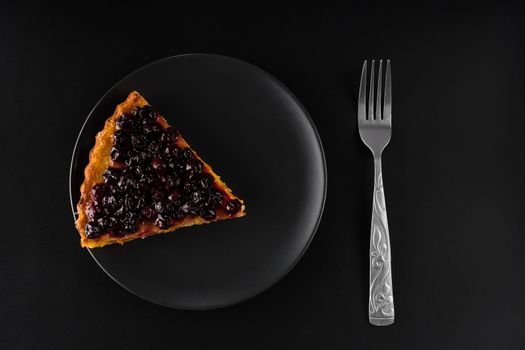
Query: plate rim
{"points": [[324, 172]]}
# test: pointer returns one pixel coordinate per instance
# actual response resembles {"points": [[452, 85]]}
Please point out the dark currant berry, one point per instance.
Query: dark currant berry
{"points": [[152, 129], [92, 230], [193, 168], [136, 158], [126, 122], [126, 183], [189, 187], [196, 197], [163, 180], [91, 211], [144, 157], [206, 181], [133, 160], [146, 179], [169, 150], [169, 208], [173, 134], [171, 183], [185, 209], [133, 183], [163, 222], [194, 209], [153, 148], [176, 166], [147, 114], [118, 155], [187, 154], [130, 226], [159, 207], [114, 189], [164, 137], [121, 139], [98, 192], [216, 197], [111, 176], [107, 223], [149, 213], [164, 207], [158, 164], [208, 213], [177, 215], [126, 215], [174, 197], [135, 111], [118, 231], [120, 213], [138, 170], [110, 202], [138, 141], [157, 194], [132, 201], [233, 206]]}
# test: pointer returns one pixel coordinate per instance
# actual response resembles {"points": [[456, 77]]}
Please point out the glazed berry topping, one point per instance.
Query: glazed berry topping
{"points": [[208, 213], [98, 192], [117, 155], [163, 222], [126, 122], [158, 164], [92, 230], [153, 180], [91, 211], [149, 213], [232, 207], [111, 176]]}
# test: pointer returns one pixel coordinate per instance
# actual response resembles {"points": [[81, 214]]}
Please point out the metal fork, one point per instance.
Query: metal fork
{"points": [[375, 130]]}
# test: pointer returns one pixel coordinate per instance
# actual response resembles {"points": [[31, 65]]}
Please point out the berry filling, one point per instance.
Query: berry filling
{"points": [[152, 180]]}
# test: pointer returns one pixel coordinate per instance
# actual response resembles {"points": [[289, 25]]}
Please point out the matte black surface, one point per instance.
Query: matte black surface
{"points": [[453, 174], [264, 146]]}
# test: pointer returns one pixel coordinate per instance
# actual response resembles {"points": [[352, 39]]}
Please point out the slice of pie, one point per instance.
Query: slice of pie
{"points": [[143, 179]]}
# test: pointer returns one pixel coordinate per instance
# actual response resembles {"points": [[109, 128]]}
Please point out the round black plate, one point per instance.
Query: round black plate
{"points": [[260, 140]]}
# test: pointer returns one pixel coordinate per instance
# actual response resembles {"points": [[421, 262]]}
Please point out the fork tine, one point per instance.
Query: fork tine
{"points": [[371, 94], [361, 107], [387, 110], [378, 94]]}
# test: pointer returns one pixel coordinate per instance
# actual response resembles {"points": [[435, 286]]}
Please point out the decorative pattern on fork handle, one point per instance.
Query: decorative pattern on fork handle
{"points": [[381, 299]]}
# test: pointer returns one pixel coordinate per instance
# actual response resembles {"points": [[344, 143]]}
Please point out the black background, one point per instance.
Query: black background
{"points": [[453, 174]]}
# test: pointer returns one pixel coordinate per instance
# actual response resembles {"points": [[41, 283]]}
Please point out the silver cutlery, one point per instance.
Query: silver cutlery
{"points": [[375, 128]]}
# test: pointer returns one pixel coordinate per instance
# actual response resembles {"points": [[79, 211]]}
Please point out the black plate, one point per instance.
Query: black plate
{"points": [[261, 141]]}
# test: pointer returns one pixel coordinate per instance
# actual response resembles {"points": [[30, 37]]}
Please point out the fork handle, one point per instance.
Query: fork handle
{"points": [[381, 297]]}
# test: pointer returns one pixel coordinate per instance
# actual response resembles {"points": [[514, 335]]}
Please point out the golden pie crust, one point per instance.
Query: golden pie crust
{"points": [[99, 161]]}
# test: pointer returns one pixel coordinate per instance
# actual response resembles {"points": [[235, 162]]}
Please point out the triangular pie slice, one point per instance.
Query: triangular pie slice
{"points": [[144, 179]]}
